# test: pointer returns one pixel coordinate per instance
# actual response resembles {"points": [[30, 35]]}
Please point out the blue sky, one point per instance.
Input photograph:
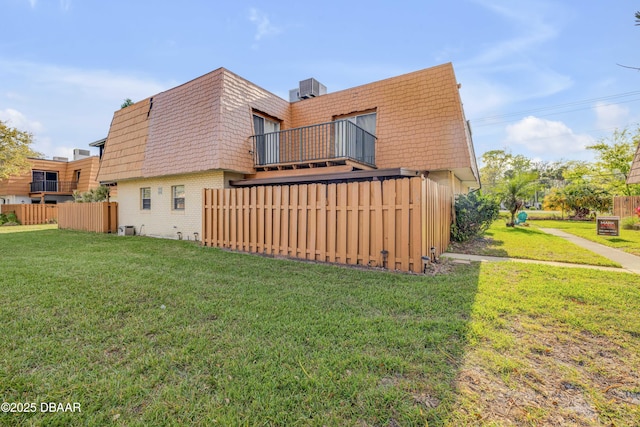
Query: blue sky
{"points": [[538, 78]]}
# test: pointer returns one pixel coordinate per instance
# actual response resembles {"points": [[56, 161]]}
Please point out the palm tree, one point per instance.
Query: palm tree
{"points": [[513, 192]]}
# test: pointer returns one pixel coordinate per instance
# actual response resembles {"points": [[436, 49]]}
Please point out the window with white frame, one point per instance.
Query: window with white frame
{"points": [[145, 198], [177, 195]]}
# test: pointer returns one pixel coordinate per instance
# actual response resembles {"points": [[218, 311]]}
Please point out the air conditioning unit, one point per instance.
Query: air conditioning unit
{"points": [[294, 95], [126, 230], [310, 88], [80, 154], [60, 159]]}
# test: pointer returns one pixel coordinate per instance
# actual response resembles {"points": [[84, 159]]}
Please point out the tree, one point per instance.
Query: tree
{"points": [[127, 102], [582, 193], [500, 164], [614, 156], [14, 151], [515, 190], [99, 194], [579, 197]]}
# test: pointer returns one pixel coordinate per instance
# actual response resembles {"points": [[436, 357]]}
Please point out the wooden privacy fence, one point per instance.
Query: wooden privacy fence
{"points": [[29, 214], [624, 206], [98, 217], [391, 224]]}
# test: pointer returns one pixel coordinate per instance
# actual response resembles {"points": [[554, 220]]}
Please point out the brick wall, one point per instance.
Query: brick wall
{"points": [[161, 220]]}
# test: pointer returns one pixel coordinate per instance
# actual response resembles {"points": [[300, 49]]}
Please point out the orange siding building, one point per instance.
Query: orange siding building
{"points": [[220, 130], [50, 181]]}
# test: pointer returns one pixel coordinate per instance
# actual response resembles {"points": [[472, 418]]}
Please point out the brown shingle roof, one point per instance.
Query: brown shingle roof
{"points": [[125, 147], [184, 127], [206, 124]]}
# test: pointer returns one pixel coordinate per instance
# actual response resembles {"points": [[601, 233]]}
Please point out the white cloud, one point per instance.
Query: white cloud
{"points": [[533, 28], [514, 60], [264, 27], [16, 119], [546, 137], [65, 5], [67, 107], [610, 116], [101, 84]]}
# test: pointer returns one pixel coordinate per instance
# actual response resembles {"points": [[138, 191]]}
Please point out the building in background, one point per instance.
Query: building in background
{"points": [[52, 181]]}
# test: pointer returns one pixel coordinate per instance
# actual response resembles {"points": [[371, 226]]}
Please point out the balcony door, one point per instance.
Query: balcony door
{"points": [[349, 140], [267, 140], [44, 181]]}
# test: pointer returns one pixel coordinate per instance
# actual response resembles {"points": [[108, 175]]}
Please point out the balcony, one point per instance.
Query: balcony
{"points": [[326, 144], [53, 186]]}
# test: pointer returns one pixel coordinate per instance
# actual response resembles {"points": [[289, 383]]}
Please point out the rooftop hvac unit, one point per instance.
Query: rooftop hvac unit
{"points": [[310, 88], [60, 159], [294, 95], [80, 154]]}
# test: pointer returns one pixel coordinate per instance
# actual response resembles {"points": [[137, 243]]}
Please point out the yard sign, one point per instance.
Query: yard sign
{"points": [[608, 226]]}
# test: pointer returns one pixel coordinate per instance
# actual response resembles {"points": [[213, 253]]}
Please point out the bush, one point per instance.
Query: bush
{"points": [[474, 215], [628, 222], [9, 218]]}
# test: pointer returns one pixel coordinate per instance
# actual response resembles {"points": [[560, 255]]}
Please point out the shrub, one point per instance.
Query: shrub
{"points": [[628, 222], [7, 218], [474, 215]]}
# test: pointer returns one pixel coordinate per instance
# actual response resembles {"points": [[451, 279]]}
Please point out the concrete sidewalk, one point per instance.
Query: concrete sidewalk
{"points": [[629, 262]]}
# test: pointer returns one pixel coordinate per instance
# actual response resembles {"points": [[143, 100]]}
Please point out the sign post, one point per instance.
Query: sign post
{"points": [[608, 226]]}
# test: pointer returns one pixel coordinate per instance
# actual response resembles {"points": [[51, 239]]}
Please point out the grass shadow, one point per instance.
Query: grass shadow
{"points": [[618, 240]]}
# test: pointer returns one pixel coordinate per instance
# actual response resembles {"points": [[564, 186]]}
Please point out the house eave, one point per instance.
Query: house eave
{"points": [[328, 177]]}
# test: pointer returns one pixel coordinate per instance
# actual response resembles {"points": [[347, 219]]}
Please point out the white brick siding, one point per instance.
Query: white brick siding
{"points": [[162, 220]]}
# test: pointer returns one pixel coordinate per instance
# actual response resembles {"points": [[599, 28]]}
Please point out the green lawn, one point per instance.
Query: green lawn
{"points": [[143, 331], [628, 240], [530, 243]]}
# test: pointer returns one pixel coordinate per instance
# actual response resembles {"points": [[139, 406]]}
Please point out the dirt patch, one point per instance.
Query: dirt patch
{"points": [[477, 246], [559, 379]]}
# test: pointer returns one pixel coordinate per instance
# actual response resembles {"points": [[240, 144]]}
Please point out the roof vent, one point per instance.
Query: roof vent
{"points": [[309, 88]]}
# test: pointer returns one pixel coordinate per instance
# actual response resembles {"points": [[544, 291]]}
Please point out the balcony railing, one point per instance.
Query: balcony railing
{"points": [[53, 186], [339, 140]]}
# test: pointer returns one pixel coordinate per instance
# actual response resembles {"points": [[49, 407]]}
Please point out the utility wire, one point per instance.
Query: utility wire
{"points": [[556, 107]]}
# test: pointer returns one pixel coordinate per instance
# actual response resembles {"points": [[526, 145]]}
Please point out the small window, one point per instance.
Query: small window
{"points": [[178, 197], [145, 198]]}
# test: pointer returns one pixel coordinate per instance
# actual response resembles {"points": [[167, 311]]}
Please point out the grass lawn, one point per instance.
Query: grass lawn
{"points": [[143, 331], [628, 240], [530, 243]]}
